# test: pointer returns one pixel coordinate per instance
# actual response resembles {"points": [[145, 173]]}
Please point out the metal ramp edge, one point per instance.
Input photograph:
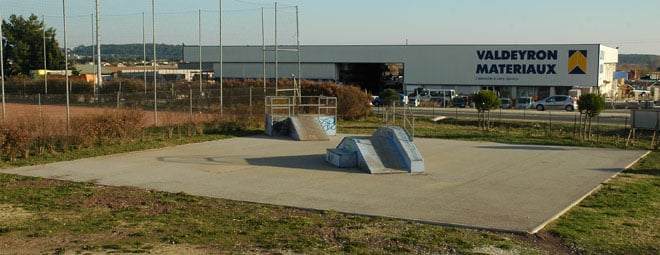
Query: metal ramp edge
{"points": [[403, 143]]}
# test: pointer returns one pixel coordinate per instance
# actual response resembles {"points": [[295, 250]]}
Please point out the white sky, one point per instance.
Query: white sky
{"points": [[630, 25]]}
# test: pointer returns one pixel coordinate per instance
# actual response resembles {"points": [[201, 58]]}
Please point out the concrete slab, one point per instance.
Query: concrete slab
{"points": [[486, 185]]}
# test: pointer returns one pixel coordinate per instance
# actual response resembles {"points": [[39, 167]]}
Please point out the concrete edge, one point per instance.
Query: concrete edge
{"points": [[434, 223], [578, 201]]}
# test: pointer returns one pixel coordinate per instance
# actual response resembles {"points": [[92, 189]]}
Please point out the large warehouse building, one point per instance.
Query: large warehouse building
{"points": [[511, 70]]}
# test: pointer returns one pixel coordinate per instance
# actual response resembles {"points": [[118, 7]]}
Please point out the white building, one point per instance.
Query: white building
{"points": [[512, 70]]}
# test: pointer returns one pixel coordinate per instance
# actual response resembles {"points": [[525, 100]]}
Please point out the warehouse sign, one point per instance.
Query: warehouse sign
{"points": [[542, 62]]}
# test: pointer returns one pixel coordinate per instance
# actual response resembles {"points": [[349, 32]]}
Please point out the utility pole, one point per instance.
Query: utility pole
{"points": [[2, 72], [153, 35], [66, 70], [99, 80]]}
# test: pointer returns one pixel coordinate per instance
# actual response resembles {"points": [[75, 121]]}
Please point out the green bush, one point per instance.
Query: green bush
{"points": [[485, 101], [389, 96]]}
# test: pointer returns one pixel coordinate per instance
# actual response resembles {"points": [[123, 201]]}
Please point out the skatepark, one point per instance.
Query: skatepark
{"points": [[504, 187]]}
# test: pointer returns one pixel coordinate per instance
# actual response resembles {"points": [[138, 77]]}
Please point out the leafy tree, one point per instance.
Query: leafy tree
{"points": [[485, 101], [23, 44], [389, 97], [590, 106]]}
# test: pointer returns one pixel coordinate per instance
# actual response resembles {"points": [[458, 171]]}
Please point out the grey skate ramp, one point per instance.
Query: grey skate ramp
{"points": [[476, 184], [307, 128]]}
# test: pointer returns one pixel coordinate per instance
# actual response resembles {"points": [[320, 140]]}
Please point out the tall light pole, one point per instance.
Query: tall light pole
{"points": [[263, 48], [153, 37], [45, 57], [66, 70], [2, 70], [200, 50], [99, 80], [220, 65], [144, 56]]}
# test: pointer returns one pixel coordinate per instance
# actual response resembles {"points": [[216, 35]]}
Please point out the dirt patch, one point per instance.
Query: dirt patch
{"points": [[59, 112], [121, 198], [546, 241], [67, 244], [12, 215]]}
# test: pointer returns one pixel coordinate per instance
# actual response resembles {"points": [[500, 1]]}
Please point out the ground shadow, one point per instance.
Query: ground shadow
{"points": [[307, 162], [202, 159], [609, 170], [651, 172]]}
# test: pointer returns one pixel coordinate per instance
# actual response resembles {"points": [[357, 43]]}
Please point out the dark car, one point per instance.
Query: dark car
{"points": [[376, 101], [459, 102]]}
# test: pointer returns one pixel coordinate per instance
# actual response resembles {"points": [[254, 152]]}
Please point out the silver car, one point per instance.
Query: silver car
{"points": [[558, 102]]}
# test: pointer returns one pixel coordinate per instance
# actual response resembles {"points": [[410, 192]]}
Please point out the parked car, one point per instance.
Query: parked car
{"points": [[557, 102], [640, 91], [506, 103], [524, 102], [376, 101], [459, 102], [413, 100]]}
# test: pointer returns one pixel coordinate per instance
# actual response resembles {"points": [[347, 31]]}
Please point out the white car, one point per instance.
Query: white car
{"points": [[557, 102], [640, 91]]}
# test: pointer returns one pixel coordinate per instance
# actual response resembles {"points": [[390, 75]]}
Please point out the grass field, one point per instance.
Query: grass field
{"points": [[49, 216]]}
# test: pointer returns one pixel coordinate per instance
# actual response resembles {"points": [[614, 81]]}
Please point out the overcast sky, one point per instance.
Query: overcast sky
{"points": [[633, 26]]}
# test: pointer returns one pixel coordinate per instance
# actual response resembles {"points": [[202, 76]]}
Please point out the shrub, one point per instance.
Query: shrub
{"points": [[352, 102], [485, 101], [112, 126], [389, 97], [590, 105]]}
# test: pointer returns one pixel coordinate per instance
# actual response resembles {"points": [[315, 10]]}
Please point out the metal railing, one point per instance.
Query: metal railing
{"points": [[292, 105], [404, 112]]}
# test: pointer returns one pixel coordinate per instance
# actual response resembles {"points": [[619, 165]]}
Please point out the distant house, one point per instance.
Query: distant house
{"points": [[89, 72], [39, 74], [165, 72]]}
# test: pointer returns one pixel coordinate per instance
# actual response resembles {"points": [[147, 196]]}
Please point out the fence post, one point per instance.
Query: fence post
{"points": [[190, 96], [250, 100]]}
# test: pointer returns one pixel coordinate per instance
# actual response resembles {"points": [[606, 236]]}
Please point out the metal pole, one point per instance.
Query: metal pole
{"points": [[45, 57], [93, 42], [66, 70], [276, 53], [99, 80], [220, 65], [144, 55], [263, 47], [199, 16], [155, 62], [298, 45], [119, 94], [2, 71], [190, 95]]}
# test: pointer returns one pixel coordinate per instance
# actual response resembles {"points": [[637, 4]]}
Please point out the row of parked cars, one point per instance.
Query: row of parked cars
{"points": [[556, 102]]}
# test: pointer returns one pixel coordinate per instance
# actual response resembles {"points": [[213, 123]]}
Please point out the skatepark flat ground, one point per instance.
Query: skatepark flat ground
{"points": [[517, 188]]}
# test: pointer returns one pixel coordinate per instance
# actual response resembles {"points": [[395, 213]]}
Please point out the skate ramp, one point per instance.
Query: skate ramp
{"points": [[389, 150], [307, 128]]}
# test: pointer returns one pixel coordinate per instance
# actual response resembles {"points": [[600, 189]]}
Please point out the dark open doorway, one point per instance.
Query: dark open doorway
{"points": [[373, 77]]}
